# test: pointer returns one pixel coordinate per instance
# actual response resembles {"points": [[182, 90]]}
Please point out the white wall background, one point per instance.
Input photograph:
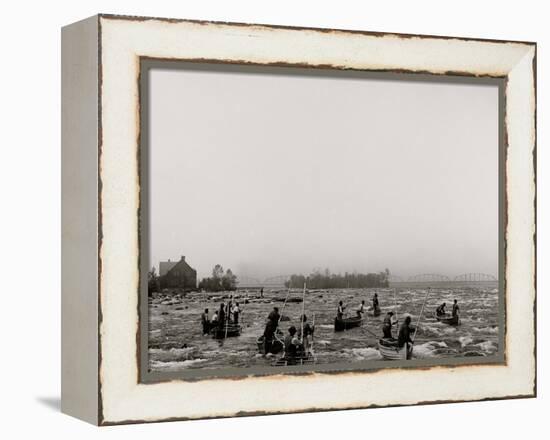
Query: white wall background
{"points": [[30, 220]]}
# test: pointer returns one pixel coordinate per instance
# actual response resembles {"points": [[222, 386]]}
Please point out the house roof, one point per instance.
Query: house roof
{"points": [[165, 267]]}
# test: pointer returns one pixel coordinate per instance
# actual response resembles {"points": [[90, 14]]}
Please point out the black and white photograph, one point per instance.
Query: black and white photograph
{"points": [[318, 219]]}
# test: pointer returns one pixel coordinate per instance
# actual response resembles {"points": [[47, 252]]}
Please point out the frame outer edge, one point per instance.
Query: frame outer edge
{"points": [[79, 134]]}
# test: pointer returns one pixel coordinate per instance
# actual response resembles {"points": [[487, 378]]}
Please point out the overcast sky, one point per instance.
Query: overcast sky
{"points": [[277, 174]]}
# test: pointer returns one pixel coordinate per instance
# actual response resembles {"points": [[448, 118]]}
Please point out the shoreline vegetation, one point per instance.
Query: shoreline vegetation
{"points": [[219, 281], [326, 280], [225, 280]]}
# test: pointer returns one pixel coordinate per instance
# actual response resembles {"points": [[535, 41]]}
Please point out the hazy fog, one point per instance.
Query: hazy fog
{"points": [[274, 174]]}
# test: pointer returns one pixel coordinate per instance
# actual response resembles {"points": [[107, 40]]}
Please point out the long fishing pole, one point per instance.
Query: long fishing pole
{"points": [[284, 305], [226, 320], [303, 311], [420, 316], [281, 315], [371, 332], [395, 304], [312, 334]]}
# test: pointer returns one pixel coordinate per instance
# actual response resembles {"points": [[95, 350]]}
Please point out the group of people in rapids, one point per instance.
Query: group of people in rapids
{"points": [[387, 324], [226, 315], [294, 345], [361, 310], [405, 337], [440, 311]]}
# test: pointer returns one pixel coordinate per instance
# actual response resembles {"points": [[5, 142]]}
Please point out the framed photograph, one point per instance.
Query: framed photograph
{"points": [[264, 219]]}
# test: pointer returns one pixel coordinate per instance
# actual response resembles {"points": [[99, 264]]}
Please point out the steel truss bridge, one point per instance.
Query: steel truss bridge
{"points": [[434, 278], [475, 277]]}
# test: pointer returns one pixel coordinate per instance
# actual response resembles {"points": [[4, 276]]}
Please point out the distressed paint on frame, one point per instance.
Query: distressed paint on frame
{"points": [[491, 73]]}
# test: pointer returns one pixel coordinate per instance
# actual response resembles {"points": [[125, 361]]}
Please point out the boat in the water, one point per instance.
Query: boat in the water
{"points": [[305, 359], [277, 345], [347, 323], [226, 331], [302, 353], [389, 349], [288, 300], [448, 319], [375, 311]]}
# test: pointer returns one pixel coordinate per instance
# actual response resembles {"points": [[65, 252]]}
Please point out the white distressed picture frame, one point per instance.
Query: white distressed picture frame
{"points": [[101, 203]]}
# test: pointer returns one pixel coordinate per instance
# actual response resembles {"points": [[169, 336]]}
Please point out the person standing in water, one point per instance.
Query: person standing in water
{"points": [[205, 320], [215, 320], [221, 316], [361, 308], [274, 318], [455, 308], [405, 331], [236, 312], [308, 332], [340, 311], [229, 309], [375, 304], [270, 329], [387, 325], [291, 343]]}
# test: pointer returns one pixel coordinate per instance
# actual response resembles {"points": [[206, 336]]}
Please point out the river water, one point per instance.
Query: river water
{"points": [[176, 341]]}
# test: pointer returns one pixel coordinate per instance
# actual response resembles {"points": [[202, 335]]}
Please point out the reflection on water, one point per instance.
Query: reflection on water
{"points": [[176, 341]]}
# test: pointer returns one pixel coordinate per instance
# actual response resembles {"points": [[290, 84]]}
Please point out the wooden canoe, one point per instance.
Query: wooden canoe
{"points": [[229, 330], [448, 319], [288, 300], [347, 323], [276, 346], [389, 350], [294, 360]]}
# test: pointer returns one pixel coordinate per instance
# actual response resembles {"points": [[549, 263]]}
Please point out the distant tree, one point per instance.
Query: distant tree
{"points": [[152, 281], [219, 280], [217, 271], [229, 280]]}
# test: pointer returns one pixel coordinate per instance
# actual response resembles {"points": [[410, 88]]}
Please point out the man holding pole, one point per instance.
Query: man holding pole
{"points": [[405, 331], [455, 308], [205, 320], [306, 334], [270, 329]]}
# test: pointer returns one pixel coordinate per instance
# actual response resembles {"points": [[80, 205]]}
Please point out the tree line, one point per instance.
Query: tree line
{"points": [[219, 281], [326, 280]]}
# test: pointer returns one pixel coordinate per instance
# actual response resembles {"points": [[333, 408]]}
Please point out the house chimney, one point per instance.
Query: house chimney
{"points": [[183, 258]]}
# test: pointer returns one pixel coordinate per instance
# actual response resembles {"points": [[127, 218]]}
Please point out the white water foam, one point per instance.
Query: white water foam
{"points": [[492, 330], [322, 342], [363, 354], [174, 365], [173, 354], [427, 349], [487, 346]]}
